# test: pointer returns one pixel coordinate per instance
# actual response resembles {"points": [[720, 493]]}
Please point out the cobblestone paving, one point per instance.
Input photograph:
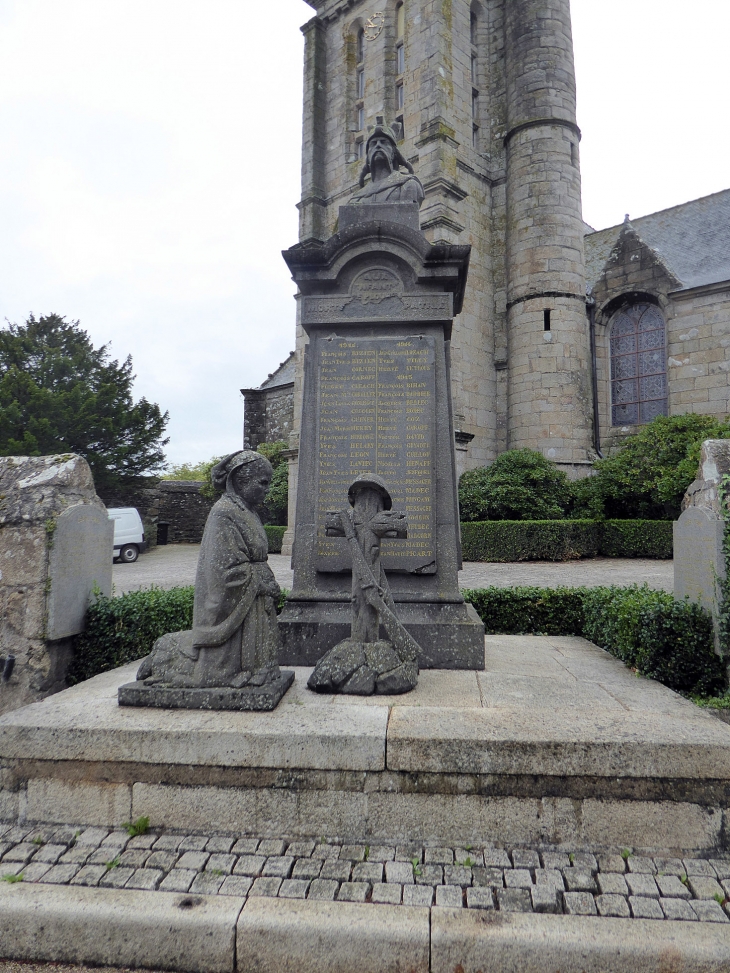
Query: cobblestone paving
{"points": [[510, 880]]}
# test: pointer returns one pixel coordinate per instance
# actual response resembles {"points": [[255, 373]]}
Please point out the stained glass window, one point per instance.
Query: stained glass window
{"points": [[638, 365]]}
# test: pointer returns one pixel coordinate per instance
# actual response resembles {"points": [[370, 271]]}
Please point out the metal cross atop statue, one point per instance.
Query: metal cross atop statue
{"points": [[365, 664]]}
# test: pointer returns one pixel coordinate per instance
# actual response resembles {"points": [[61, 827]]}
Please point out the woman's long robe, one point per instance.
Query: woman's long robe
{"points": [[234, 615]]}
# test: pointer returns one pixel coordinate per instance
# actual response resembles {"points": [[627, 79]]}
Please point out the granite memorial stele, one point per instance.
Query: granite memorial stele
{"points": [[230, 659], [377, 301]]}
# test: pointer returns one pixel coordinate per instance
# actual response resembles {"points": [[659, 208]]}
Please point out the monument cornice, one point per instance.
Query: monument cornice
{"points": [[443, 265]]}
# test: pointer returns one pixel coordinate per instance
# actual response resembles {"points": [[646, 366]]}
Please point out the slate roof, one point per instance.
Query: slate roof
{"points": [[692, 240], [284, 374]]}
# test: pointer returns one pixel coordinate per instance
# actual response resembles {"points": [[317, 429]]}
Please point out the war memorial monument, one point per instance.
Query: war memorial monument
{"points": [[407, 794]]}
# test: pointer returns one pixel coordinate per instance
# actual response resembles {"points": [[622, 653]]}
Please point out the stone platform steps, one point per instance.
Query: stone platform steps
{"points": [[556, 745]]}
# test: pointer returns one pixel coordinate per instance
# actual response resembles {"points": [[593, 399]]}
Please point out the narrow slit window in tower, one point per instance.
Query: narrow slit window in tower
{"points": [[546, 320], [360, 86], [474, 37]]}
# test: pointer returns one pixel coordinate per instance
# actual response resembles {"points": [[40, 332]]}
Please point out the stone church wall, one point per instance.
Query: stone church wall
{"points": [[697, 333]]}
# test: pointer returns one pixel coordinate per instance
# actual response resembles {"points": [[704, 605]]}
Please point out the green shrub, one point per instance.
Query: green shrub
{"points": [[521, 484], [520, 611], [276, 536], [668, 640], [120, 630], [649, 473], [276, 509], [562, 540]]}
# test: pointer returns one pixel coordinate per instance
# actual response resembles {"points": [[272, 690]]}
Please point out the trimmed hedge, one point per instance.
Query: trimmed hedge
{"points": [[120, 630], [276, 536], [520, 611], [668, 640], [636, 538], [563, 540], [124, 629]]}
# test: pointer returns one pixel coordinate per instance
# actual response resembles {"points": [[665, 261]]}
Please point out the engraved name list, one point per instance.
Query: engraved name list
{"points": [[376, 401]]}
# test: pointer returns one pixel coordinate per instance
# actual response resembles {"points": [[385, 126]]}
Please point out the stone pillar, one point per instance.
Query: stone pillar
{"points": [[549, 397], [55, 549], [377, 301], [699, 562]]}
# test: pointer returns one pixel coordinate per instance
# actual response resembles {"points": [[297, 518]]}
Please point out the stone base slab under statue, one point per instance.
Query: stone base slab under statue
{"points": [[173, 658]]}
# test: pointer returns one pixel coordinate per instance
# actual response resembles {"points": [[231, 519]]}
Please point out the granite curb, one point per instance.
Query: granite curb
{"points": [[202, 934]]}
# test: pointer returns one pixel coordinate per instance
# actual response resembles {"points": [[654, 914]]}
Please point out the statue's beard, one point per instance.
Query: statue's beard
{"points": [[380, 156]]}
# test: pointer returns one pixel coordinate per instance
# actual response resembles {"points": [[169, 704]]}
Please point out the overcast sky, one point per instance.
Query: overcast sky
{"points": [[149, 171]]}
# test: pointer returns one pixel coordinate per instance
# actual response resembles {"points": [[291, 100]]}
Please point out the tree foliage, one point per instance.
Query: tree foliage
{"points": [[277, 499], [521, 484], [195, 472], [648, 476], [60, 394]]}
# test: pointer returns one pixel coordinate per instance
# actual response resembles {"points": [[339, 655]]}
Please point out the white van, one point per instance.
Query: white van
{"points": [[129, 540]]}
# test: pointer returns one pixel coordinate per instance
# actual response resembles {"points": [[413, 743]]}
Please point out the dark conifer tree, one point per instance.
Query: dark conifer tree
{"points": [[60, 394]]}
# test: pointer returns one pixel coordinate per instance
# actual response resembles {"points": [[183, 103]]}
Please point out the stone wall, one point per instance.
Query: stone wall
{"points": [[55, 549], [175, 503]]}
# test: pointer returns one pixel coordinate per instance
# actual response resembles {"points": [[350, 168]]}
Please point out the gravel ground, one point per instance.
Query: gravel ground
{"points": [[175, 564]]}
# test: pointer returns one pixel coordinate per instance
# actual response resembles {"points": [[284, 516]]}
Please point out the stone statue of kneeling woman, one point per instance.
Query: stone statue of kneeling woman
{"points": [[235, 641]]}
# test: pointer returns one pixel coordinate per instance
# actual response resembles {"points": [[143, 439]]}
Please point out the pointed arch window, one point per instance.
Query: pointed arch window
{"points": [[638, 365]]}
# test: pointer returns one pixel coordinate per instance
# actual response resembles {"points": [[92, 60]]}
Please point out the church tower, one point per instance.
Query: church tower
{"points": [[485, 93]]}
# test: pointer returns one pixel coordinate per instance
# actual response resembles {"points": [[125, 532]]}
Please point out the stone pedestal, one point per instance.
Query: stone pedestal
{"points": [[377, 302], [55, 549]]}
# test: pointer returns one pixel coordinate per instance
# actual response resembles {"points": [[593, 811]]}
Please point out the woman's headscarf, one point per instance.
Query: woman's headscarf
{"points": [[220, 475]]}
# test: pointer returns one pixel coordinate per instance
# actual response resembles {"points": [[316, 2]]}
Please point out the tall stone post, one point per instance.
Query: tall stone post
{"points": [[699, 556], [549, 398], [56, 543]]}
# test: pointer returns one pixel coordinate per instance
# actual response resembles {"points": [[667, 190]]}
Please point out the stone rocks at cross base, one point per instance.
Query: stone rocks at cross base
{"points": [[230, 658], [55, 549], [699, 563], [363, 669]]}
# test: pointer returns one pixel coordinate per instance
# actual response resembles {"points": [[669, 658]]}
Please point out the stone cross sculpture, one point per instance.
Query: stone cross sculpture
{"points": [[364, 664], [230, 658]]}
